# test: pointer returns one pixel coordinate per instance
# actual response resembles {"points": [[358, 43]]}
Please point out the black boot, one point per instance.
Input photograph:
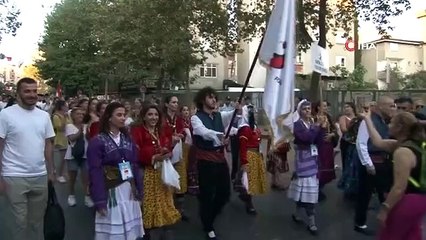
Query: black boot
{"points": [[249, 206], [179, 203]]}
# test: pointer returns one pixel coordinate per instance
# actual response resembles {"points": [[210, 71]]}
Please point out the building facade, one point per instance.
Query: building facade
{"points": [[405, 55], [212, 72]]}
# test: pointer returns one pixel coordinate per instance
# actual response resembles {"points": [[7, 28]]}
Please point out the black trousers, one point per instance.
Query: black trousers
{"points": [[381, 183], [344, 152], [215, 190], [235, 148]]}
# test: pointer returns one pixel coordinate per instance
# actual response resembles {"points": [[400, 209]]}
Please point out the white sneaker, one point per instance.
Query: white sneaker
{"points": [[62, 179], [211, 234], [71, 201], [88, 201]]}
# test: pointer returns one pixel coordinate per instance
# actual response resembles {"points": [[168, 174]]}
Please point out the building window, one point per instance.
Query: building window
{"points": [[341, 61], [393, 47], [208, 70], [299, 58]]}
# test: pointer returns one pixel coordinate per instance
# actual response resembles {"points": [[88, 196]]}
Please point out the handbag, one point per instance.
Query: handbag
{"points": [[54, 219]]}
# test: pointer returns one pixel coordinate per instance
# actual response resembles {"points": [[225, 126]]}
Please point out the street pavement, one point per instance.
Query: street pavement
{"points": [[273, 222]]}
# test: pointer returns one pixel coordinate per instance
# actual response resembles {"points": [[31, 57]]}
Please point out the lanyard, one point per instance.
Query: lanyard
{"points": [[119, 147]]}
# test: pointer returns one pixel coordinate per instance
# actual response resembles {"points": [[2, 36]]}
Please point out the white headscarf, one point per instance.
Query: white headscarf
{"points": [[299, 108], [244, 120]]}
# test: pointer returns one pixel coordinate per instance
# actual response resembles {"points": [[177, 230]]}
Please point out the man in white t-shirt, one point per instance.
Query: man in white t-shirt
{"points": [[26, 144]]}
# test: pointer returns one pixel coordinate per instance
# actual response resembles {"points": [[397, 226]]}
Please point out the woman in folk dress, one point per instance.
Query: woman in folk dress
{"points": [[115, 183], [304, 186], [251, 160], [187, 130], [154, 147]]}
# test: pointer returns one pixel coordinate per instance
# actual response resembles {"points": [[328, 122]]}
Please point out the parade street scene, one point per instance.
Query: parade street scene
{"points": [[207, 119]]}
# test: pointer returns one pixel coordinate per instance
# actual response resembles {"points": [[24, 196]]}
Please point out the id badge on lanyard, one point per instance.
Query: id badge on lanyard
{"points": [[125, 170], [125, 166], [314, 150]]}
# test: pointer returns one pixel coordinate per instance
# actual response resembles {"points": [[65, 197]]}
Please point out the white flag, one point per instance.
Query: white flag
{"points": [[277, 53]]}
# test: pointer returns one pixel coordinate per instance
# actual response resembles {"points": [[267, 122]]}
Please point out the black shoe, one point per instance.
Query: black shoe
{"points": [[184, 217], [251, 211], [366, 231], [296, 219], [278, 188]]}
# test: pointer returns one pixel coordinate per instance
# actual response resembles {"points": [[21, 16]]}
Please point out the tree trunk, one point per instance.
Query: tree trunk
{"points": [[188, 95], [315, 80], [356, 41], [160, 81]]}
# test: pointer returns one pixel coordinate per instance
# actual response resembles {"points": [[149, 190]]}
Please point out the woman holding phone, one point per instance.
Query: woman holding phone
{"points": [[154, 147]]}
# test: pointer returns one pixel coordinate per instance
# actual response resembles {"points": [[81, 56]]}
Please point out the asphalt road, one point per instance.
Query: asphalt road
{"points": [[273, 222]]}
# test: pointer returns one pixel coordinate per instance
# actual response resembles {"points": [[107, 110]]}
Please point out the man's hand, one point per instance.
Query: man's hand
{"points": [[52, 177], [371, 170], [225, 141]]}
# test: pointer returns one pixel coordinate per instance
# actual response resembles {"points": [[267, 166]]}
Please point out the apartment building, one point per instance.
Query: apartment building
{"points": [[406, 55], [213, 72]]}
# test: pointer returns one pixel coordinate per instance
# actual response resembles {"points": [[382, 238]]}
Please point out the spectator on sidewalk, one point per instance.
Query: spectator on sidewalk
{"points": [[26, 163]]}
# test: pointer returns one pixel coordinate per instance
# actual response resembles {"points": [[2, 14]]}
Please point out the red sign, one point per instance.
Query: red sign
{"points": [[350, 45]]}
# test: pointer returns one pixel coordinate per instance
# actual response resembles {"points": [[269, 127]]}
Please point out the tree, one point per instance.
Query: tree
{"points": [[355, 80], [8, 18], [70, 48], [414, 81], [140, 40], [342, 15], [32, 71], [339, 71]]}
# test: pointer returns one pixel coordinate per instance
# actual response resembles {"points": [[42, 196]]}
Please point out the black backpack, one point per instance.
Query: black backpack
{"points": [[54, 219], [77, 151]]}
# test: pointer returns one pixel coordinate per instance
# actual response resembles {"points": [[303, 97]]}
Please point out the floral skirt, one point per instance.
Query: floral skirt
{"points": [[124, 218], [182, 168], [158, 208]]}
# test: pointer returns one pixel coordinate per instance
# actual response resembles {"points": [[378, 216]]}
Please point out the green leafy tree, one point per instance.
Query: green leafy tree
{"points": [[414, 81], [355, 80], [69, 48], [334, 16], [9, 21], [141, 40]]}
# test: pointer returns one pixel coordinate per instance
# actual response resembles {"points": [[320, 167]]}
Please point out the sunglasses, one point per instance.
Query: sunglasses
{"points": [[419, 107]]}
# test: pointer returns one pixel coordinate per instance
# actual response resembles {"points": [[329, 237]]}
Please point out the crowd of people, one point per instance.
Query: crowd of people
{"points": [[130, 155]]}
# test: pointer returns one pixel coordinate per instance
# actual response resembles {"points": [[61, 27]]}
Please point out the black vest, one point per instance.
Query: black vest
{"points": [[383, 130], [214, 124]]}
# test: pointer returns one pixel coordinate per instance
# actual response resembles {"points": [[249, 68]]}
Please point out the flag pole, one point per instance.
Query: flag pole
{"points": [[250, 72]]}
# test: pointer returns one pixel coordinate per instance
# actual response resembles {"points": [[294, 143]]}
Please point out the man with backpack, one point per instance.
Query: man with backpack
{"points": [[26, 165]]}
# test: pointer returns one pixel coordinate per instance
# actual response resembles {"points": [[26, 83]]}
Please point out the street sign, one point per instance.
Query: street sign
{"points": [[320, 59]]}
